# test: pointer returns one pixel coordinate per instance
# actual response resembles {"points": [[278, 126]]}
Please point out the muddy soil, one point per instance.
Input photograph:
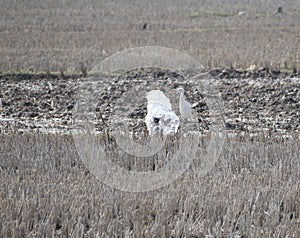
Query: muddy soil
{"points": [[251, 101]]}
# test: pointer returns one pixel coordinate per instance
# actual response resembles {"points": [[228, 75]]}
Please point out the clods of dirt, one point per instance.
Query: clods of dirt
{"points": [[248, 100]]}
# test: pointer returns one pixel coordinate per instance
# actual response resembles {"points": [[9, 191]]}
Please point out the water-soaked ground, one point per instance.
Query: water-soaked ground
{"points": [[250, 100]]}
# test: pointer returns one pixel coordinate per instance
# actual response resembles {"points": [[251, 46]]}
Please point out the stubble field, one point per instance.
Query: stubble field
{"points": [[250, 49]]}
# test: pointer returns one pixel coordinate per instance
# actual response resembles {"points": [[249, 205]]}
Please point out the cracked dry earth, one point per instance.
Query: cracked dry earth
{"points": [[251, 100]]}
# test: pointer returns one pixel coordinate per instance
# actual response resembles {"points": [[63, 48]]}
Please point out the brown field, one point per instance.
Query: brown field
{"points": [[70, 34], [253, 190]]}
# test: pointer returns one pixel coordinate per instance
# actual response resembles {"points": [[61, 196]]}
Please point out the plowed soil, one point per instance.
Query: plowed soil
{"points": [[252, 100]]}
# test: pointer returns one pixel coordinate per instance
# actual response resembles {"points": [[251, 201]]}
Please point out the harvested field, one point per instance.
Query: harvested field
{"points": [[47, 191], [252, 189], [247, 187], [70, 35]]}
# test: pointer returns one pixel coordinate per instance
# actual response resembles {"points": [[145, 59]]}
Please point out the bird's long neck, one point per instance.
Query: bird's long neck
{"points": [[181, 96]]}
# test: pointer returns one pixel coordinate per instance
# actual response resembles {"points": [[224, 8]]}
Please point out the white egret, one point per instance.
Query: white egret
{"points": [[185, 107]]}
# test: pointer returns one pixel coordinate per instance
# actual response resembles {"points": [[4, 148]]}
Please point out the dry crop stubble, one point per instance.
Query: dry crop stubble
{"points": [[253, 189], [48, 36]]}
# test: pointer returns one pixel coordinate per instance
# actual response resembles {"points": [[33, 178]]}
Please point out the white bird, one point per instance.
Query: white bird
{"points": [[185, 107], [160, 117]]}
